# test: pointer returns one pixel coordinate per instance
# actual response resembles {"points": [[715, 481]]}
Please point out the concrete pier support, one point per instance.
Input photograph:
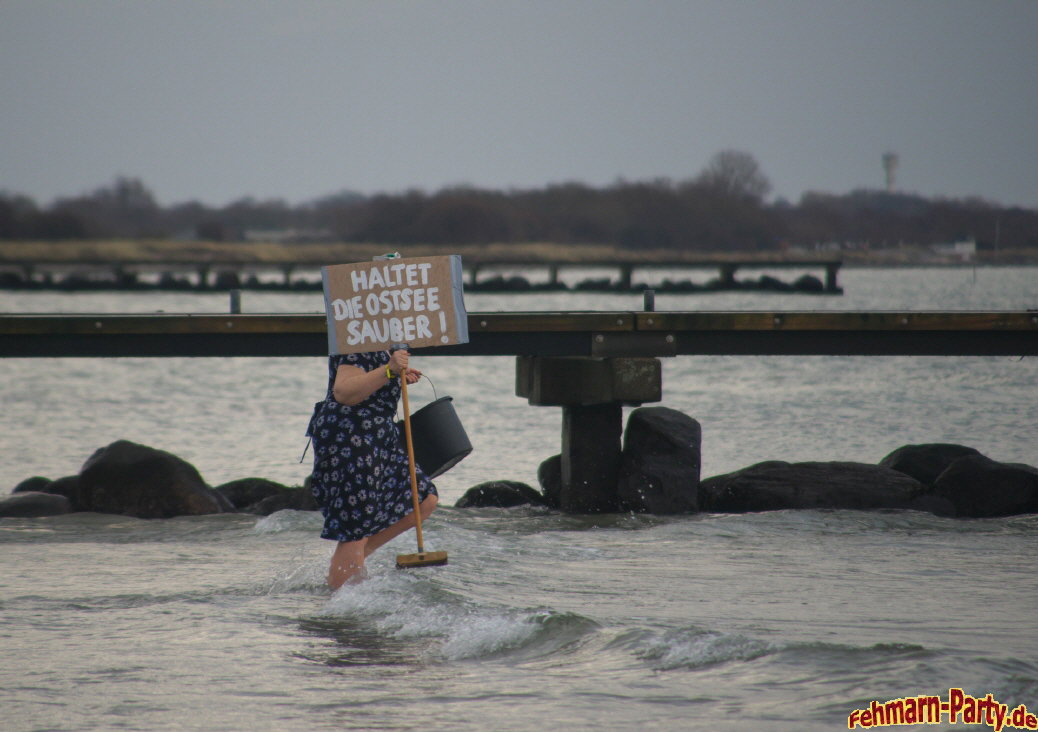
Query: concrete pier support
{"points": [[553, 275], [286, 274], [590, 456], [592, 393], [830, 277], [626, 275], [728, 275]]}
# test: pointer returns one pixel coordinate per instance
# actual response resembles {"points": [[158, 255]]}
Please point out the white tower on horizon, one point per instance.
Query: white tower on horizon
{"points": [[890, 166]]}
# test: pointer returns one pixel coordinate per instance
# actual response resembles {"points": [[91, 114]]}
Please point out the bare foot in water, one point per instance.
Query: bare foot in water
{"points": [[347, 564]]}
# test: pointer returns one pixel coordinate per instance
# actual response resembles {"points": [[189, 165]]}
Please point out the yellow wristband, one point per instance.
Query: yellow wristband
{"points": [[389, 374]]}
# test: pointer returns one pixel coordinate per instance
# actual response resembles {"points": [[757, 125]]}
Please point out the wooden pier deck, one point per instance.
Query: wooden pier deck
{"points": [[588, 334]]}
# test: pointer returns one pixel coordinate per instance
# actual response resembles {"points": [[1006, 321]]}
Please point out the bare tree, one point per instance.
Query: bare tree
{"points": [[736, 174]]}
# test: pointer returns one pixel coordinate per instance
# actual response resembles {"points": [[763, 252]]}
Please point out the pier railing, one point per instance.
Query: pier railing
{"points": [[588, 334]]}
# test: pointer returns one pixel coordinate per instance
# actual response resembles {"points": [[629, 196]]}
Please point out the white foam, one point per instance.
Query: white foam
{"points": [[308, 574], [694, 648], [488, 633], [288, 520], [399, 608], [375, 596]]}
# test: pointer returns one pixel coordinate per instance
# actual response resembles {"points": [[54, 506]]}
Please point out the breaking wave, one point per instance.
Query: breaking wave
{"points": [[402, 607]]}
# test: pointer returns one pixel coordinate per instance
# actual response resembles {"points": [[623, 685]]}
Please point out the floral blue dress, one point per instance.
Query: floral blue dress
{"points": [[361, 477]]}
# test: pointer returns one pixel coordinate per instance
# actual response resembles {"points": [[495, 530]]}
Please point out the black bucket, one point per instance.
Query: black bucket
{"points": [[438, 438]]}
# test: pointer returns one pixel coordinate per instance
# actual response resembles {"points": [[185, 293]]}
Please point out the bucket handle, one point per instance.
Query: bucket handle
{"points": [[431, 384], [404, 346], [424, 376]]}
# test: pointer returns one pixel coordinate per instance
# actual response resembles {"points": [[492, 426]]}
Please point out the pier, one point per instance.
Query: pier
{"points": [[221, 266], [590, 364]]}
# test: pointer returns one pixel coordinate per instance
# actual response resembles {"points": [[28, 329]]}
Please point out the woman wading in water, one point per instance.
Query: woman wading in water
{"points": [[361, 477]]}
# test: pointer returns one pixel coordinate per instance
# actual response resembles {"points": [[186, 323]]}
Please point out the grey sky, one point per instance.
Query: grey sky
{"points": [[216, 100]]}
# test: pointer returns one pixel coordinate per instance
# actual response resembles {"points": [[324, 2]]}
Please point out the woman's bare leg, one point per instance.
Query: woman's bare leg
{"points": [[347, 562], [395, 530]]}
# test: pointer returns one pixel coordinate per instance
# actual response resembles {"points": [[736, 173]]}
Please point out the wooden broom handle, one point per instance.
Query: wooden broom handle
{"points": [[410, 462]]}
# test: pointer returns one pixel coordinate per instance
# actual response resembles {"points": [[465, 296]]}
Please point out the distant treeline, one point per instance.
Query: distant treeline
{"points": [[721, 209]]}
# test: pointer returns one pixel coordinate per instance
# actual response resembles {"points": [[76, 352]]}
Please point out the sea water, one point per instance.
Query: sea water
{"points": [[788, 620]]}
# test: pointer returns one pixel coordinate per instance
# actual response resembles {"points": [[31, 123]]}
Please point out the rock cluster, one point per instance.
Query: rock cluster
{"points": [[658, 471], [806, 284], [660, 474], [224, 281], [136, 480], [776, 485]]}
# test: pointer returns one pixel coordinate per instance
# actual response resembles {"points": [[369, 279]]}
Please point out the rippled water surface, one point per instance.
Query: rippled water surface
{"points": [[779, 621]]}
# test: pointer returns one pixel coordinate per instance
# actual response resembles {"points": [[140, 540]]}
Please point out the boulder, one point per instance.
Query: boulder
{"points": [[979, 487], [33, 504], [777, 485], [67, 487], [549, 477], [500, 494], [245, 492], [297, 499], [928, 502], [264, 497], [135, 480], [660, 462], [925, 462], [36, 484], [808, 283], [773, 284]]}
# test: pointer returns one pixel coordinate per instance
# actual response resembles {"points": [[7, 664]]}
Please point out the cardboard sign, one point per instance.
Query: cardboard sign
{"points": [[417, 301]]}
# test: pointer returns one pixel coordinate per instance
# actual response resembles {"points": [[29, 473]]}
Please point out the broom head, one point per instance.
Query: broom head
{"points": [[421, 559]]}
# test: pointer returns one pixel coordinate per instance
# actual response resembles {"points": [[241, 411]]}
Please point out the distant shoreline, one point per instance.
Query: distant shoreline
{"points": [[198, 266]]}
